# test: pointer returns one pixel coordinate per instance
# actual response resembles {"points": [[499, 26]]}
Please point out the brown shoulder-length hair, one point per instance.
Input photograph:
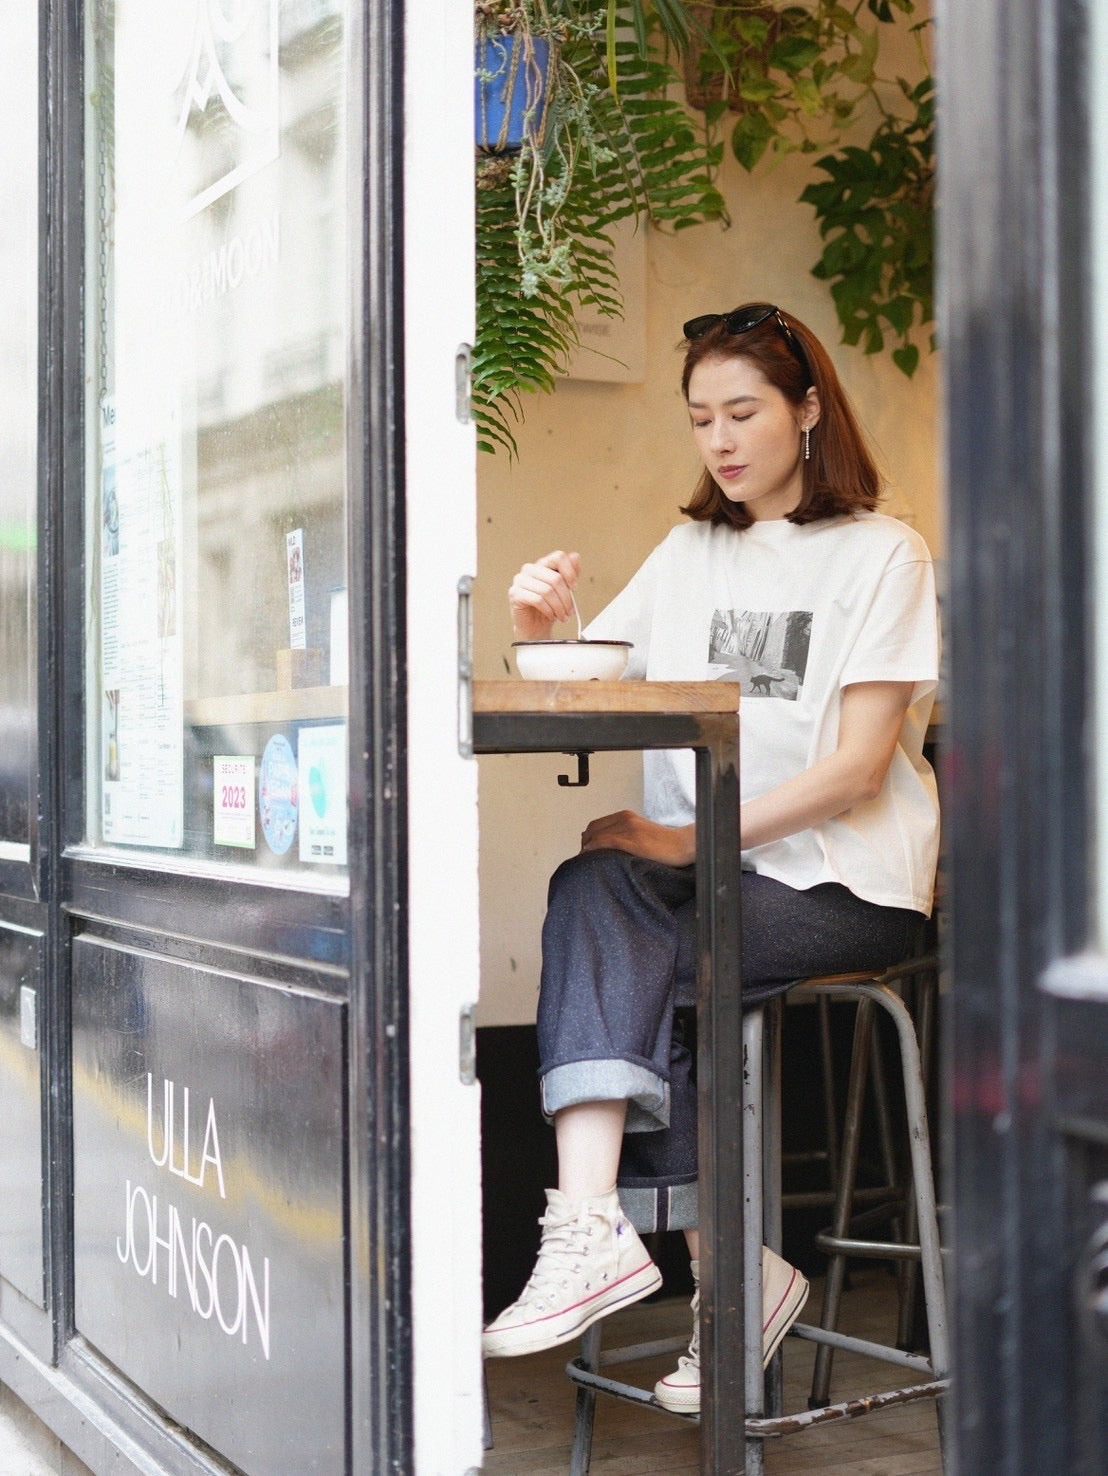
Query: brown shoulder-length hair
{"points": [[840, 476]]}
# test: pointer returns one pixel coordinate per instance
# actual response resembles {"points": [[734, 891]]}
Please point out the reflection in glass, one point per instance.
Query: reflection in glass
{"points": [[19, 299], [215, 481]]}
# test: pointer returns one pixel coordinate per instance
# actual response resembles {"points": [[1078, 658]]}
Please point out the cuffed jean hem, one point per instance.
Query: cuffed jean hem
{"points": [[646, 1094], [652, 1207]]}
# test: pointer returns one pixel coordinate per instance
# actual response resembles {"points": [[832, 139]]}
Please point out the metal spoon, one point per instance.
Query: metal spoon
{"points": [[577, 612]]}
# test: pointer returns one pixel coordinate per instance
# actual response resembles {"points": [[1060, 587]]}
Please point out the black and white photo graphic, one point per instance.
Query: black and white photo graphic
{"points": [[766, 651]]}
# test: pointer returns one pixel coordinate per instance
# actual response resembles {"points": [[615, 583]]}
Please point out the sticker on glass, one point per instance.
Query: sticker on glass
{"points": [[278, 794], [233, 807], [323, 784]]}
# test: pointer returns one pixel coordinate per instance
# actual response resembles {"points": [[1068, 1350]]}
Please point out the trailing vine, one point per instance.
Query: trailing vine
{"points": [[544, 212]]}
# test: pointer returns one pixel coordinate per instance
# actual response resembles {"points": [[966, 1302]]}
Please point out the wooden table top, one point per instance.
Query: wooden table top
{"points": [[493, 697]]}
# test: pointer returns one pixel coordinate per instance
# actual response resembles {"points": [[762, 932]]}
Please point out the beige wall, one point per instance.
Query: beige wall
{"points": [[602, 469]]}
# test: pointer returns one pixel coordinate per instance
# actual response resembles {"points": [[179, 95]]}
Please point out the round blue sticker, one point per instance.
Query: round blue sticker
{"points": [[278, 800]]}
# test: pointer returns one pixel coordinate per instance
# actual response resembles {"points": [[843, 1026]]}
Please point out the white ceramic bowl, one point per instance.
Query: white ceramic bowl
{"points": [[572, 661]]}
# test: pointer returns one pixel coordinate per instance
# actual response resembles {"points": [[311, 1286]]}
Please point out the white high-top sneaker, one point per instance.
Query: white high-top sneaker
{"points": [[784, 1292], [680, 1390], [590, 1263]]}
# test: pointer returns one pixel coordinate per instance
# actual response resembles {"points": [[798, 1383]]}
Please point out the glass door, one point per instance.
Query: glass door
{"points": [[219, 1067], [217, 328], [21, 981]]}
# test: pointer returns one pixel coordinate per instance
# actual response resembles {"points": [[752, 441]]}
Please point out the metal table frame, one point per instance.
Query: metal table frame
{"points": [[579, 718]]}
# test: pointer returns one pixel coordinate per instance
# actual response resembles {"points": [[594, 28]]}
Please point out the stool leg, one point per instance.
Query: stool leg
{"points": [[830, 1112], [753, 1220], [926, 986], [884, 1124], [486, 1418], [584, 1415], [771, 1175], [919, 1139], [844, 1200]]}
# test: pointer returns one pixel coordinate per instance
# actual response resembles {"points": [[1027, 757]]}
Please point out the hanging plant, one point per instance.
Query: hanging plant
{"points": [[544, 211], [799, 78], [875, 213], [607, 140]]}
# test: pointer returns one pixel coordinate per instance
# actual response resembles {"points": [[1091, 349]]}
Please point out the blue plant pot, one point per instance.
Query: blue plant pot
{"points": [[511, 91]]}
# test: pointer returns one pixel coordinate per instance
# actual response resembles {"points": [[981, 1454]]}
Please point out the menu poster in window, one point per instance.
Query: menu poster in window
{"points": [[142, 746]]}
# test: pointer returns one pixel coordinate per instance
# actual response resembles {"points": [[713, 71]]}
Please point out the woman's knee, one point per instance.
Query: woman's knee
{"points": [[586, 874]]}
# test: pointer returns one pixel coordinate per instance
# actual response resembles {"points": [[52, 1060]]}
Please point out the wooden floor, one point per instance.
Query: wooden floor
{"points": [[531, 1404]]}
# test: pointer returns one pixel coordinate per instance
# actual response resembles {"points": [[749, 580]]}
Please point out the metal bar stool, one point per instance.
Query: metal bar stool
{"points": [[762, 1192], [899, 1205]]}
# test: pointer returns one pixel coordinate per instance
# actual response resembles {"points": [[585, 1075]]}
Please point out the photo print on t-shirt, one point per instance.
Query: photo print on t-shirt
{"points": [[766, 651]]}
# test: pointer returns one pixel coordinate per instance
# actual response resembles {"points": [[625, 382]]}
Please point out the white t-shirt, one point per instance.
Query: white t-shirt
{"points": [[795, 614]]}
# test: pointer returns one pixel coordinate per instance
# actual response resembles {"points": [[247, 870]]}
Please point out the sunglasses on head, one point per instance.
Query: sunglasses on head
{"points": [[742, 320]]}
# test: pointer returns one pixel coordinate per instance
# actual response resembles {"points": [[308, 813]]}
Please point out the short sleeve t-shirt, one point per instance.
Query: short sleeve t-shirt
{"points": [[796, 613]]}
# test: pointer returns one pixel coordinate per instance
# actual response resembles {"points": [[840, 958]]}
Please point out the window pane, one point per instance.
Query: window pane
{"points": [[19, 299], [215, 492]]}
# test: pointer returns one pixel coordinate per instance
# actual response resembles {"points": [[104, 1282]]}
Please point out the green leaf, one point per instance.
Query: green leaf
{"points": [[757, 89], [906, 358], [808, 95], [749, 139], [793, 53], [752, 28]]}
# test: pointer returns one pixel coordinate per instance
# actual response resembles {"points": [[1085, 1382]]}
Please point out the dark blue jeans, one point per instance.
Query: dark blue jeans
{"points": [[615, 1016]]}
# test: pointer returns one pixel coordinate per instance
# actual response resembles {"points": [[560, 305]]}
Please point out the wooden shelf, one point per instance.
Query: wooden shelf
{"points": [[297, 704]]}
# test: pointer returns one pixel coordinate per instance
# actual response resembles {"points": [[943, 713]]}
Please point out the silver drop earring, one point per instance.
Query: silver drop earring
{"points": [[807, 443]]}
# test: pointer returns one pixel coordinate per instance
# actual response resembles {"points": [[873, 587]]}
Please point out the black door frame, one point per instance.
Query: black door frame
{"points": [[1014, 274], [97, 1413]]}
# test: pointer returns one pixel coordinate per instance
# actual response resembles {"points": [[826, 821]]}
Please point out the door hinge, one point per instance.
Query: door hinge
{"points": [[463, 383], [465, 666], [467, 1044], [28, 1017]]}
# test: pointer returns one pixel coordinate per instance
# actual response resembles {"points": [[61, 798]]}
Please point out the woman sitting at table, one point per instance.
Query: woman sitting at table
{"points": [[786, 580]]}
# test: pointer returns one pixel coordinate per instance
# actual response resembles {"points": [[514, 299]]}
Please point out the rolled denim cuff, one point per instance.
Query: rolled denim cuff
{"points": [[660, 1207], [646, 1094]]}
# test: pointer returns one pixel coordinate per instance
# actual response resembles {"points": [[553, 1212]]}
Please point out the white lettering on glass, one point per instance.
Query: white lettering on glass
{"points": [[175, 1136], [217, 1273], [241, 259]]}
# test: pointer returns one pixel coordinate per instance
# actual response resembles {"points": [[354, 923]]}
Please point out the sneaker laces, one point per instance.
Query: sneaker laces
{"points": [[562, 1239], [691, 1360]]}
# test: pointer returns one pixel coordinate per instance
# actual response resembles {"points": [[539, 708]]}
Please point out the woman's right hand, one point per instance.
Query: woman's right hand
{"points": [[540, 595]]}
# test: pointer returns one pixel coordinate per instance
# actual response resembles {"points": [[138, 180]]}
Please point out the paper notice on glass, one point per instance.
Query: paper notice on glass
{"points": [[234, 810], [142, 708], [321, 754], [294, 553]]}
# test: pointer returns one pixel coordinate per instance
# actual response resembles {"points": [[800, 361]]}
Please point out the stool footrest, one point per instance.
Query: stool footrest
{"points": [[882, 1352], [586, 1378], [848, 1409], [757, 1427], [633, 1352], [873, 1250]]}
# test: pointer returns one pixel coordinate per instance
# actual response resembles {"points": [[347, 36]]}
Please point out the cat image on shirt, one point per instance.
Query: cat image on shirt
{"points": [[766, 651]]}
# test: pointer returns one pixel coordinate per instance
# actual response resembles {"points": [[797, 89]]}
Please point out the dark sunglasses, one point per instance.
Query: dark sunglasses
{"points": [[742, 320]]}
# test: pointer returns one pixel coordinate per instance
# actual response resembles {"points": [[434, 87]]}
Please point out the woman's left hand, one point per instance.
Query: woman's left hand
{"points": [[675, 845]]}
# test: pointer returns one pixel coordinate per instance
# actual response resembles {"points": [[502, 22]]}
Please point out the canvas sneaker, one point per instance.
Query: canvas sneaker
{"points": [[784, 1292], [590, 1262]]}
